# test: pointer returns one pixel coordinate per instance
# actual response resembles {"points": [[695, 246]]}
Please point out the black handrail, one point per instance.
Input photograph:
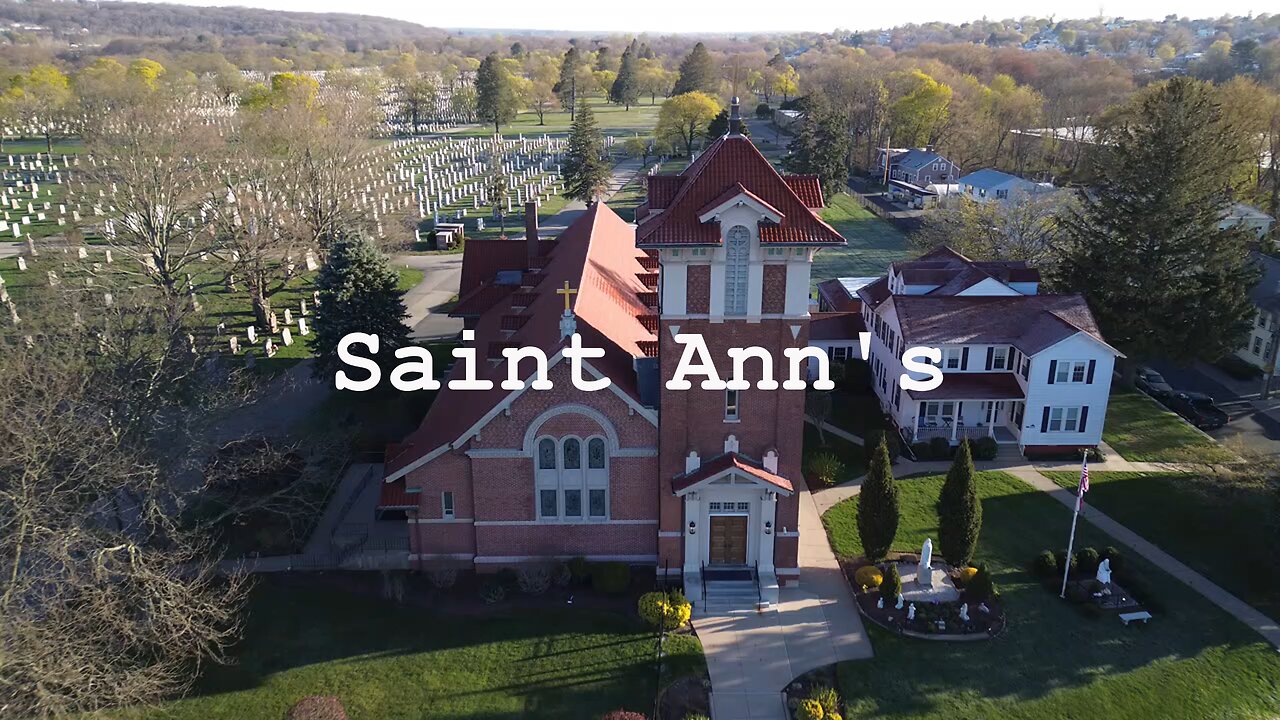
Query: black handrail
{"points": [[702, 574], [759, 591]]}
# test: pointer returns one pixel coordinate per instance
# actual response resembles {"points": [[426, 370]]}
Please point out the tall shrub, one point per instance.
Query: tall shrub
{"points": [[878, 506], [959, 510]]}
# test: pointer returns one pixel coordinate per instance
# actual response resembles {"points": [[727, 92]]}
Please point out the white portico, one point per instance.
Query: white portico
{"points": [[730, 511]]}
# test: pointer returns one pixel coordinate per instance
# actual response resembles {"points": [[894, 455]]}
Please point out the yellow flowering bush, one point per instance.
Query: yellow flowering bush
{"points": [[809, 710], [966, 574], [868, 577], [669, 610]]}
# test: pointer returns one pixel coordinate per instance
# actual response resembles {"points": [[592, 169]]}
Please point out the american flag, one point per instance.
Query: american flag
{"points": [[1084, 484]]}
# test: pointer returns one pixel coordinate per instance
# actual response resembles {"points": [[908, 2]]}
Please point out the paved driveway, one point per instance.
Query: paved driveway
{"points": [[1255, 423]]}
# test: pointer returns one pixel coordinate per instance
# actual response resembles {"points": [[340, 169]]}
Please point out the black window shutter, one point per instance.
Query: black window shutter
{"points": [[1089, 380], [964, 358], [1084, 418], [1044, 420], [1013, 359], [1053, 370], [991, 353]]}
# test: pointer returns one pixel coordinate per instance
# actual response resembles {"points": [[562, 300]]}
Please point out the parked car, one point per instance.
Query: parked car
{"points": [[1152, 383], [1198, 409]]}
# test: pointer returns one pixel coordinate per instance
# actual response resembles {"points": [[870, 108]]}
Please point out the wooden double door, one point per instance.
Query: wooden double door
{"points": [[728, 540]]}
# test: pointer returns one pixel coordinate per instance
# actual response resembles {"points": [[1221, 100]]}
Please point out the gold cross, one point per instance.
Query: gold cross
{"points": [[568, 295]]}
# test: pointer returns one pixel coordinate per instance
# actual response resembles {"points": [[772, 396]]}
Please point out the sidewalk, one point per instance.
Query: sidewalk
{"points": [[752, 657]]}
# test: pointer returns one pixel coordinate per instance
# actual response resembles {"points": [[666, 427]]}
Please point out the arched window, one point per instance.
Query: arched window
{"points": [[564, 486], [737, 252]]}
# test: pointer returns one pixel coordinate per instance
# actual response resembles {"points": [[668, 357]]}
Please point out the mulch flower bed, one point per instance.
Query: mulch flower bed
{"points": [[933, 620]]}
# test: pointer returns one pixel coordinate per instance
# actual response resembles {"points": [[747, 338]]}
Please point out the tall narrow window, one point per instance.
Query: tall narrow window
{"points": [[446, 505], [572, 454], [731, 405], [547, 454], [595, 454], [737, 251]]}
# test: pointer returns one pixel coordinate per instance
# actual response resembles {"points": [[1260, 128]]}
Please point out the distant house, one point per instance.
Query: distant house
{"points": [[913, 170], [1259, 346], [1027, 369], [1248, 217], [987, 185]]}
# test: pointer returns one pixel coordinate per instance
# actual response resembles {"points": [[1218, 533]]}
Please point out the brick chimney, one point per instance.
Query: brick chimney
{"points": [[531, 229]]}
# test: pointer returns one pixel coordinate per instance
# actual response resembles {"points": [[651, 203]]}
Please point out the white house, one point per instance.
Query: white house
{"points": [[1259, 346], [1023, 368], [1248, 217], [989, 185]]}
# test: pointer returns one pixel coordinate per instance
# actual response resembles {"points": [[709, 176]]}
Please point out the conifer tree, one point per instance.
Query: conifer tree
{"points": [[566, 87], [719, 125], [1145, 247], [959, 510], [878, 505], [697, 73], [626, 87], [586, 174], [358, 293], [821, 146], [495, 101]]}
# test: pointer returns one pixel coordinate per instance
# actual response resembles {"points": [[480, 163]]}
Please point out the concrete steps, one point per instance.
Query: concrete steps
{"points": [[1009, 453], [728, 596]]}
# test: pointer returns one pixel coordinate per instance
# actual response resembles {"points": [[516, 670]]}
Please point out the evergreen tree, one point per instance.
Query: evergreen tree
{"points": [[878, 505], [821, 146], [358, 293], [626, 87], [719, 126], [495, 101], [586, 174], [697, 73], [959, 510], [1145, 248], [566, 87]]}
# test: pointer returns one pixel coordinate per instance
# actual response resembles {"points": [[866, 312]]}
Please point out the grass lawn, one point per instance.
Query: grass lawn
{"points": [[611, 119], [873, 243], [1219, 528], [389, 662], [852, 455], [1192, 661], [1140, 429], [34, 146]]}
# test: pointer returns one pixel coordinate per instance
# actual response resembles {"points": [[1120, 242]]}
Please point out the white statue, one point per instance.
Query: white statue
{"points": [[911, 612], [900, 601], [964, 612], [880, 604], [983, 608], [1104, 571], [924, 571]]}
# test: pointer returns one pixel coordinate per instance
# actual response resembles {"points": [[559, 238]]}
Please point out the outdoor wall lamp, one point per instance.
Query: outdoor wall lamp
{"points": [[693, 528], [768, 527]]}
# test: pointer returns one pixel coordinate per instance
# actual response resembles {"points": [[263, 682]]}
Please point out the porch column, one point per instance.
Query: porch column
{"points": [[693, 540], [955, 422], [768, 515]]}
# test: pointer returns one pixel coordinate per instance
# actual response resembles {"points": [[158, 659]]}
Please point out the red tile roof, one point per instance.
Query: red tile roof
{"points": [[808, 188], [480, 300], [973, 386], [596, 255], [728, 161], [483, 259], [393, 496], [662, 189], [726, 462], [732, 192]]}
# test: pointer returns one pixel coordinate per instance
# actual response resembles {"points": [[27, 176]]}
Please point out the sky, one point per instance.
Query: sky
{"points": [[736, 16]]}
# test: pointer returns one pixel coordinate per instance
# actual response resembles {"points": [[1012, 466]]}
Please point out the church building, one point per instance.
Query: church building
{"points": [[699, 483]]}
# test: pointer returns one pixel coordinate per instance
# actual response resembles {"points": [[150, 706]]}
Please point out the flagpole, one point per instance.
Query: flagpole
{"points": [[1075, 515]]}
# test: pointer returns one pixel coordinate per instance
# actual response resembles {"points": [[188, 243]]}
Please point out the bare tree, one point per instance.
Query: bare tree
{"points": [[1020, 228]]}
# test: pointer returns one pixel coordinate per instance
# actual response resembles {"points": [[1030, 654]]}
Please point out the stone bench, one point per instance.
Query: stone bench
{"points": [[1142, 615]]}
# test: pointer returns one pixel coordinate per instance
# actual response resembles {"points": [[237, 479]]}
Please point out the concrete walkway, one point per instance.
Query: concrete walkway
{"points": [[752, 656]]}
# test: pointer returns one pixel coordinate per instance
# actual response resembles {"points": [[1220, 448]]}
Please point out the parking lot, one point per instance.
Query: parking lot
{"points": [[1254, 424]]}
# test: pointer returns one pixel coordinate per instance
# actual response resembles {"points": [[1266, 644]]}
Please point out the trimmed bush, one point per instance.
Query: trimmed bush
{"points": [[826, 468], [534, 580], [669, 610], [1046, 565], [959, 510], [1116, 558], [939, 448], [509, 578], [981, 587], [1087, 560], [868, 577], [966, 576], [985, 449], [317, 707], [877, 510], [874, 436], [763, 111], [922, 451], [442, 578], [611, 578], [810, 709], [579, 569], [1061, 558], [492, 592], [892, 585]]}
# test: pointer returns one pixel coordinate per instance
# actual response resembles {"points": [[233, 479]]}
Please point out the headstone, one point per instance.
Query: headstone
{"points": [[235, 345], [302, 327], [270, 348], [288, 316], [252, 332], [22, 263], [286, 337]]}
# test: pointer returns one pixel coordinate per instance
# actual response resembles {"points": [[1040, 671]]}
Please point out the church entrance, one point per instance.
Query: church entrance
{"points": [[728, 541]]}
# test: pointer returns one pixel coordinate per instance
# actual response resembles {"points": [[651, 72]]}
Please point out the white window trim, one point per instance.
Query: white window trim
{"points": [[582, 479], [1069, 367], [1066, 421], [447, 507], [732, 408]]}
